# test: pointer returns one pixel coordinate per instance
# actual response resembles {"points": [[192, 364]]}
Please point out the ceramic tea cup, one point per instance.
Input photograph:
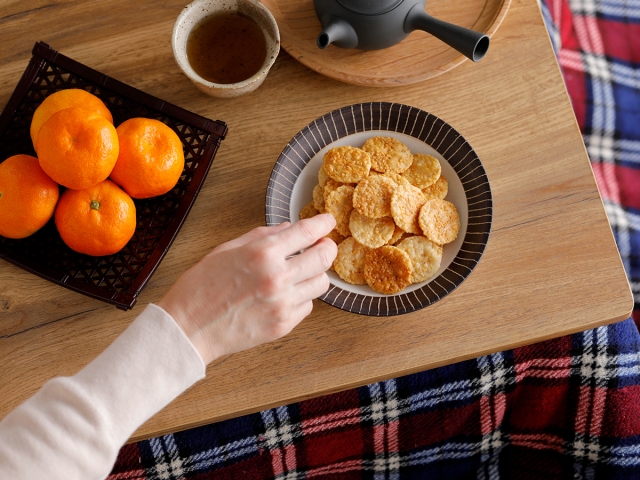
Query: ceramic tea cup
{"points": [[200, 11]]}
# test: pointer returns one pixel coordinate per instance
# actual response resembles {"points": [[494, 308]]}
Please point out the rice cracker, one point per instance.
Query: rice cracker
{"points": [[404, 235], [308, 211], [406, 202], [372, 196], [397, 235], [347, 164], [440, 189], [398, 178], [424, 171], [425, 257], [387, 269], [388, 154], [330, 186], [318, 198], [322, 176], [349, 262], [439, 221], [371, 232], [339, 203], [335, 236]]}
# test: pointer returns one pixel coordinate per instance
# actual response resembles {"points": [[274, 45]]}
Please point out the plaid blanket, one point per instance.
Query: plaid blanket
{"points": [[565, 408]]}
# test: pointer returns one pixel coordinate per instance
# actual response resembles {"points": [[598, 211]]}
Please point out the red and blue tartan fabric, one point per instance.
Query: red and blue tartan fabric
{"points": [[565, 408]]}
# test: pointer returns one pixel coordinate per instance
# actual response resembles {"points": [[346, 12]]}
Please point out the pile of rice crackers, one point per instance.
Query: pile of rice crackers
{"points": [[391, 217]]}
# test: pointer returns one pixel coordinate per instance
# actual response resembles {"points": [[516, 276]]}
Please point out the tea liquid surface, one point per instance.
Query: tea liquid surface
{"points": [[227, 47]]}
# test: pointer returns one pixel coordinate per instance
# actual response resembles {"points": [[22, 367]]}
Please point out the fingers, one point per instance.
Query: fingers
{"points": [[312, 287], [313, 261], [301, 311], [304, 233], [255, 234], [295, 316]]}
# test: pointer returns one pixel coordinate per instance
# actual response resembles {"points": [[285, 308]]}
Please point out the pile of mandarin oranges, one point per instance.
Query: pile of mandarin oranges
{"points": [[100, 166]]}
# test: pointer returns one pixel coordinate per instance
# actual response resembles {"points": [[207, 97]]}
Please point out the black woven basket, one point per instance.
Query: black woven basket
{"points": [[117, 279]]}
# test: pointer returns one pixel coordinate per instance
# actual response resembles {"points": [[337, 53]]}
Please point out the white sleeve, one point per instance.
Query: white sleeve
{"points": [[73, 427]]}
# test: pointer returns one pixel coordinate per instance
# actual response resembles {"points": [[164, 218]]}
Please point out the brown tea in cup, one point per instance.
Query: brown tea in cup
{"points": [[232, 46], [227, 47]]}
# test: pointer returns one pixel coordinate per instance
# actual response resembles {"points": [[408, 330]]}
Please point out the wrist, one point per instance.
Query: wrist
{"points": [[192, 332]]}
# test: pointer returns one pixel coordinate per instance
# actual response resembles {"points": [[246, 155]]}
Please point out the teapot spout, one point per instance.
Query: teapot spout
{"points": [[336, 31], [470, 43]]}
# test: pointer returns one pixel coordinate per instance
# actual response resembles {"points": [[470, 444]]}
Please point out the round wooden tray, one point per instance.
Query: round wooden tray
{"points": [[419, 57]]}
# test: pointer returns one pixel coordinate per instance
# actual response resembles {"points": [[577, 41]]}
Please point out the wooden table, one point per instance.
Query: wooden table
{"points": [[551, 266]]}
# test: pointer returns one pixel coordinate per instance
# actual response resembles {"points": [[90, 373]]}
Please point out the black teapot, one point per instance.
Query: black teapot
{"points": [[377, 24]]}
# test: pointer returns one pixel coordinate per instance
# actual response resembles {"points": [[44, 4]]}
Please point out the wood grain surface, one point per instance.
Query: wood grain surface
{"points": [[417, 58], [551, 266]]}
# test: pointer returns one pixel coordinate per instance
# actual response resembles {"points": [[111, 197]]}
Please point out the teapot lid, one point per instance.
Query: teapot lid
{"points": [[370, 7]]}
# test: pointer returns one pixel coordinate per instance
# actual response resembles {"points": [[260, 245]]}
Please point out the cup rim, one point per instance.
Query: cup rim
{"points": [[188, 70]]}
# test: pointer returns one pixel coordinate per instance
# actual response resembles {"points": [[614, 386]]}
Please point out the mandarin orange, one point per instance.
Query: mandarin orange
{"points": [[73, 97], [98, 220], [28, 196], [77, 147], [151, 159]]}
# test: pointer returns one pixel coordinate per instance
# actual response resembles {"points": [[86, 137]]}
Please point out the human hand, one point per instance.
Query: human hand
{"points": [[249, 290]]}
